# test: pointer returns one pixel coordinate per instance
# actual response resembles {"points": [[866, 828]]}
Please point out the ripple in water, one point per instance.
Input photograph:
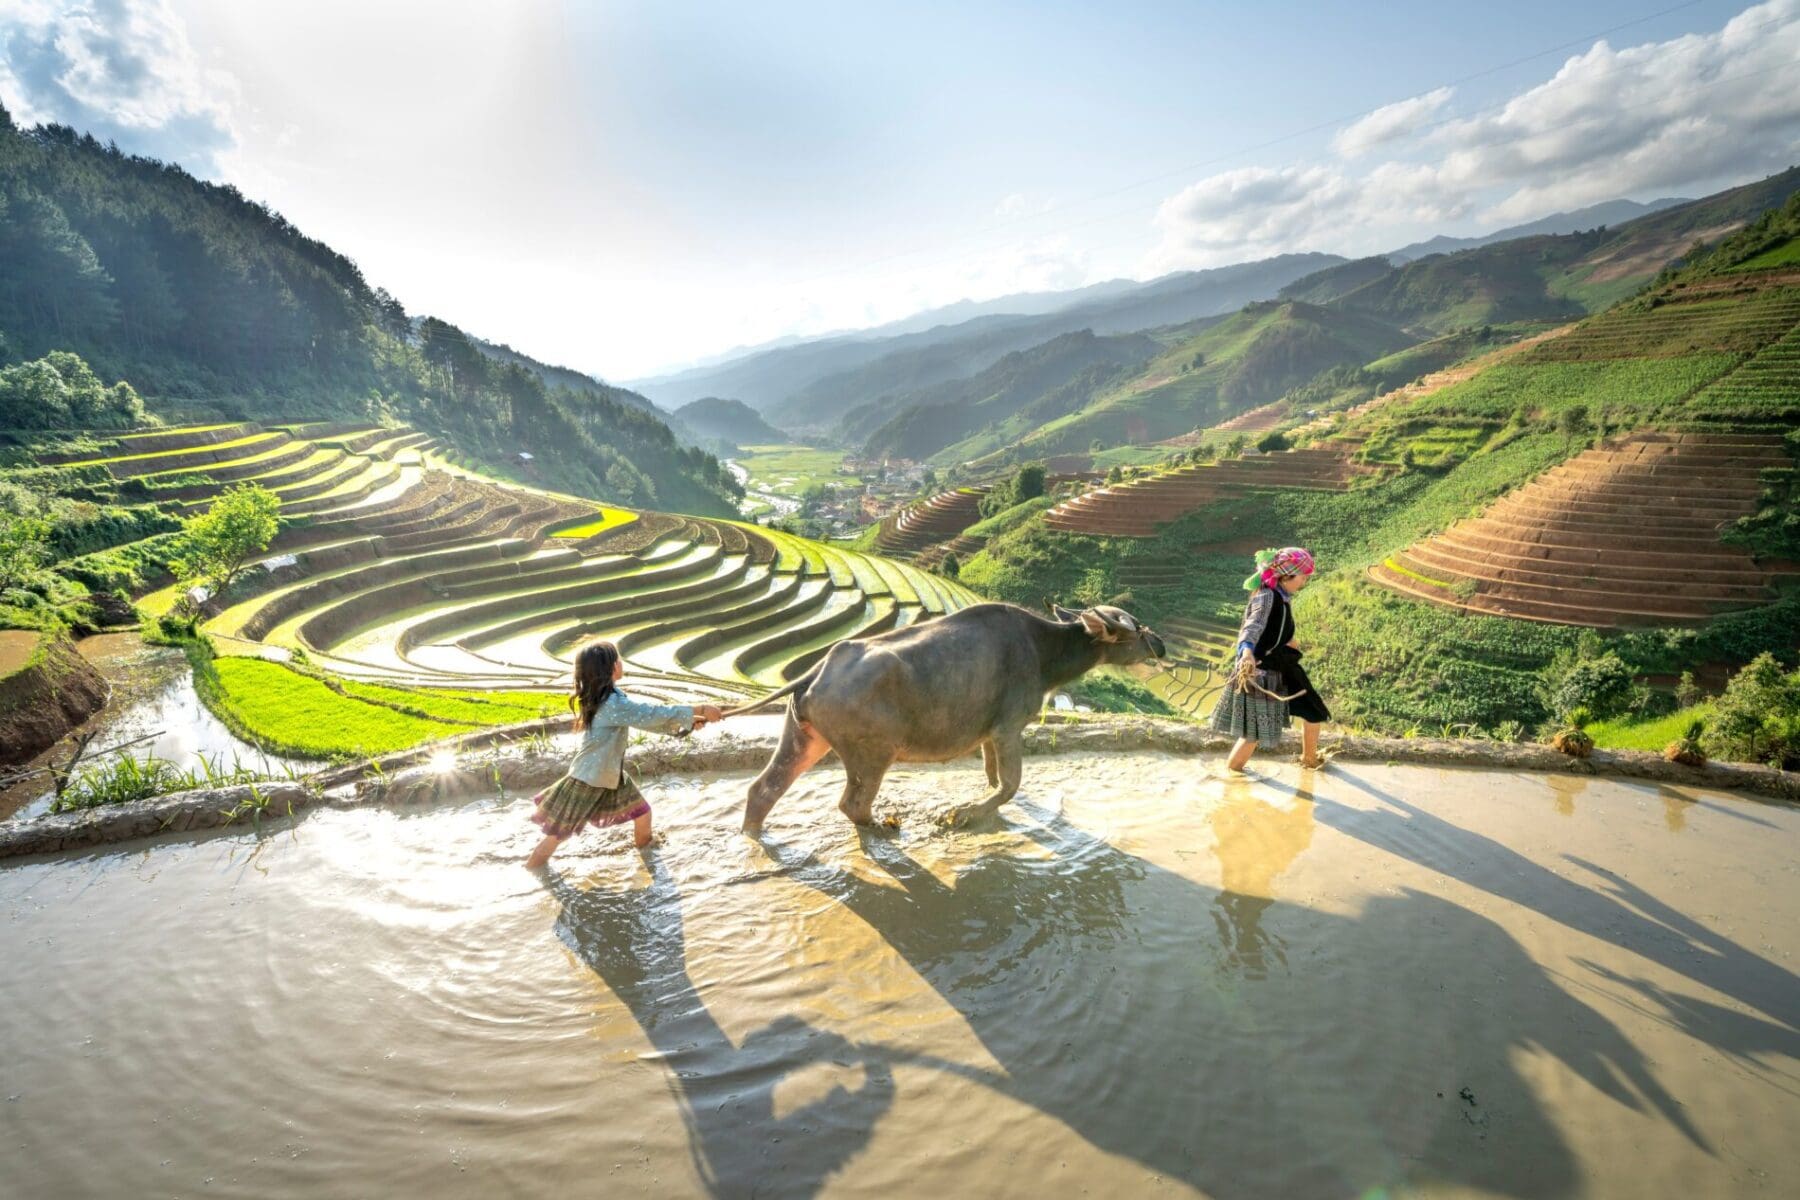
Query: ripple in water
{"points": [[1143, 978]]}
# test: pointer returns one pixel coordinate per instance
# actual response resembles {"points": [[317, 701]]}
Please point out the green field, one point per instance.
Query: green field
{"points": [[788, 470]]}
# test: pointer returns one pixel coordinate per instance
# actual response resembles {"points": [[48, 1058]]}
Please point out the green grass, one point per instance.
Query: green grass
{"points": [[1626, 733], [606, 518], [1785, 255], [463, 708], [275, 707], [788, 470]]}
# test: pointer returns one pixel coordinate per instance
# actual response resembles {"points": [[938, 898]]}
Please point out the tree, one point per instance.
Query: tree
{"points": [[1573, 419], [221, 541], [950, 568], [24, 545], [928, 480], [1028, 484], [1601, 685], [1758, 716]]}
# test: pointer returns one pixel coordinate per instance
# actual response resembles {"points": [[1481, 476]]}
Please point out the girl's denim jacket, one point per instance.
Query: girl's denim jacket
{"points": [[601, 760]]}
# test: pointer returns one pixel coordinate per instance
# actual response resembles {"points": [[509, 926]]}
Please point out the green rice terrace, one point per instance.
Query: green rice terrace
{"points": [[406, 598], [1621, 486]]}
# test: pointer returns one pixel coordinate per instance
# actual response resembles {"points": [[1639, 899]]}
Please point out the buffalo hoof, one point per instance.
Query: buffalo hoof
{"points": [[964, 816]]}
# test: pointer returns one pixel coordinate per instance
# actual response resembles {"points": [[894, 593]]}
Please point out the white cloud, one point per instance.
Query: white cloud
{"points": [[1389, 123], [122, 70], [1688, 113]]}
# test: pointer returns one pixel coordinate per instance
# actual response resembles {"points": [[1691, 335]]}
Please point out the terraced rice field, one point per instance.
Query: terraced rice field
{"points": [[398, 571], [1623, 534], [1136, 507], [920, 527]]}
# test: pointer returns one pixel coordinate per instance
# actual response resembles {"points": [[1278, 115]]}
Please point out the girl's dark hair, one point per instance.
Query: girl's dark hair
{"points": [[593, 680]]}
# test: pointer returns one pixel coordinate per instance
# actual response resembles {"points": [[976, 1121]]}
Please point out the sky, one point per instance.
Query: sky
{"points": [[629, 187]]}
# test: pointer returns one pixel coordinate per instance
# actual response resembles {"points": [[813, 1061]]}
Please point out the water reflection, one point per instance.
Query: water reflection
{"points": [[1565, 788], [1255, 841]]}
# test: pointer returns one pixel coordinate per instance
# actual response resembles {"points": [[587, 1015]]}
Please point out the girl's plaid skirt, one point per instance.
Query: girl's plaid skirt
{"points": [[1250, 715], [569, 805]]}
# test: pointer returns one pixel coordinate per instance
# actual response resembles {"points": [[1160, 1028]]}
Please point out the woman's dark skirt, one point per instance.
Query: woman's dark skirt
{"points": [[1261, 718], [569, 805]]}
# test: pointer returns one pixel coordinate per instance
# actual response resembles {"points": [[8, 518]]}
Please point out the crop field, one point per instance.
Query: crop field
{"points": [[788, 470], [412, 599]]}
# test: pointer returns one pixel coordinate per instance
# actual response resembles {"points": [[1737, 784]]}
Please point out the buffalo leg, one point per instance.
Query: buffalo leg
{"points": [[990, 758], [801, 746], [862, 779], [1009, 756]]}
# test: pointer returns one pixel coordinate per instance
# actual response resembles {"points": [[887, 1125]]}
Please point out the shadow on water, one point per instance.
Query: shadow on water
{"points": [[1612, 908], [635, 942], [1088, 978]]}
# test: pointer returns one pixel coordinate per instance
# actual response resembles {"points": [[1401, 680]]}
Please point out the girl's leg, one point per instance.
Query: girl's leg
{"points": [[640, 829], [1240, 754], [1309, 744], [542, 853]]}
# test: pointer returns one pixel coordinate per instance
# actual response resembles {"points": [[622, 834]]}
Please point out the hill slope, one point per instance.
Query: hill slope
{"points": [[1204, 377], [214, 306], [729, 421], [810, 386], [1037, 384]]}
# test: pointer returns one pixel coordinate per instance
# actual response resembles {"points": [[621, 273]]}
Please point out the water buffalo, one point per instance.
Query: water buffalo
{"points": [[935, 691]]}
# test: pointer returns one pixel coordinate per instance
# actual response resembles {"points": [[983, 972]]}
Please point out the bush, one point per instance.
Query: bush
{"points": [[1274, 442], [1757, 719], [1602, 686]]}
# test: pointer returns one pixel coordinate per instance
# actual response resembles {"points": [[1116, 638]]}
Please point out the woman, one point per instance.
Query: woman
{"points": [[1250, 707]]}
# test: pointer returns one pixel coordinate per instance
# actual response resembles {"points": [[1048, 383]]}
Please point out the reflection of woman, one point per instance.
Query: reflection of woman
{"points": [[1254, 842], [1268, 655]]}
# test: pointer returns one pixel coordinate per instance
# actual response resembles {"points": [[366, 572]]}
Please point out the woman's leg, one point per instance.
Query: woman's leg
{"points": [[640, 829], [1240, 754], [1309, 744], [542, 853]]}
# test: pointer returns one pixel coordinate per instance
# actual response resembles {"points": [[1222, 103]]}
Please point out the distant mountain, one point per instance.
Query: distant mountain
{"points": [[567, 378], [1205, 373], [1322, 287], [771, 381], [730, 421], [1611, 212], [918, 424], [920, 360], [1553, 277]]}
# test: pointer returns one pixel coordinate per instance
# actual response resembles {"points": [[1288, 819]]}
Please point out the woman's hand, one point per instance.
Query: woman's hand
{"points": [[706, 714], [1293, 645]]}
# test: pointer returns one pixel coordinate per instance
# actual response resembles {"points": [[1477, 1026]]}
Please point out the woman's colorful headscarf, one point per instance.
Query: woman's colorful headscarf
{"points": [[1274, 565]]}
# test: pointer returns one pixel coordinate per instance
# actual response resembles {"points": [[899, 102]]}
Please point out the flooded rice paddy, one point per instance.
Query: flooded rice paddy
{"points": [[153, 710], [1146, 980]]}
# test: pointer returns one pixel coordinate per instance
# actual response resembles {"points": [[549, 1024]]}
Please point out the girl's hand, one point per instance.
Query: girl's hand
{"points": [[711, 712], [1292, 645]]}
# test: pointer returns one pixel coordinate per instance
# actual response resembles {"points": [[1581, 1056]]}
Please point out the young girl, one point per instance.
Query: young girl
{"points": [[1265, 642], [597, 790]]}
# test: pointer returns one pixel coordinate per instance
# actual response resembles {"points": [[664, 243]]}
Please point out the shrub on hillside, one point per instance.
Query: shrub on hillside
{"points": [[24, 547], [1273, 442], [1601, 685], [59, 391], [1757, 719]]}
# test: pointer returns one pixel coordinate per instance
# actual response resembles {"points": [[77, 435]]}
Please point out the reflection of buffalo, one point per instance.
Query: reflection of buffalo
{"points": [[935, 691], [1382, 1051]]}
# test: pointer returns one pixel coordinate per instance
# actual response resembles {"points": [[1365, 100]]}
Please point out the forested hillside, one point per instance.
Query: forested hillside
{"points": [[812, 385], [1038, 384], [729, 421], [213, 306], [1202, 377]]}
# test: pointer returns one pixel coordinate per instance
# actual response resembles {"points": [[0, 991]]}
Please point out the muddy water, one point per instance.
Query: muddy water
{"points": [[1145, 981], [153, 707]]}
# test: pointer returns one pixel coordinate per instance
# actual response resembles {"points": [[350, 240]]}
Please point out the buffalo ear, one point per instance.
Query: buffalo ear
{"points": [[1097, 629], [1061, 613]]}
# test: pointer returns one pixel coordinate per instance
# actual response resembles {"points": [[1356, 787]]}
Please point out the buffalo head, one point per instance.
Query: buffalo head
{"points": [[1122, 637]]}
